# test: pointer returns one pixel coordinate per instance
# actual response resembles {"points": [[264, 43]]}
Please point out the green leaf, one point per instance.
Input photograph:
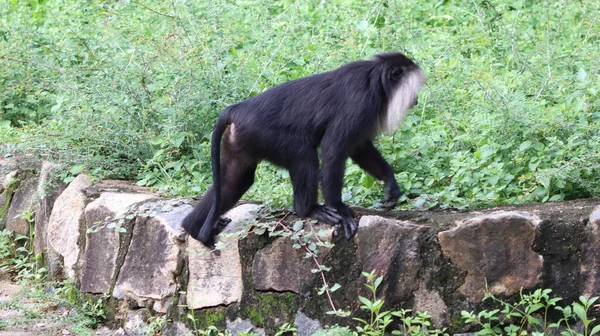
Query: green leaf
{"points": [[366, 302], [377, 282], [76, 169], [525, 146], [298, 225], [595, 330], [362, 25], [579, 311]]}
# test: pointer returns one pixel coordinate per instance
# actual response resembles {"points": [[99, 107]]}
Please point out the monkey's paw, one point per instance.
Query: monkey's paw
{"points": [[392, 195], [325, 213]]}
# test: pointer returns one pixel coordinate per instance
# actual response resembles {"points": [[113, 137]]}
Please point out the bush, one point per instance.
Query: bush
{"points": [[129, 90]]}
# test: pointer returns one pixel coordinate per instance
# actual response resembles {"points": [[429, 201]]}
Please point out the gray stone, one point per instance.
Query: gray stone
{"points": [[590, 267], [176, 329], [6, 179], [105, 331], [431, 301], [391, 249], [496, 249], [154, 257], [102, 247], [67, 221], [48, 189], [5, 199], [306, 326], [217, 279], [282, 268], [21, 207], [135, 324], [242, 327]]}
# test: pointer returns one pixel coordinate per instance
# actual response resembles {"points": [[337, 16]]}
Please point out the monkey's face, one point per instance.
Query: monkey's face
{"points": [[406, 79]]}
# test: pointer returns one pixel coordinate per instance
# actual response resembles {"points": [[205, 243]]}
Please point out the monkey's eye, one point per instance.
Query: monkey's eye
{"points": [[396, 73]]}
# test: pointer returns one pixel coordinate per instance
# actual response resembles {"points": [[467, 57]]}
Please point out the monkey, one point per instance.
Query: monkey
{"points": [[340, 111]]}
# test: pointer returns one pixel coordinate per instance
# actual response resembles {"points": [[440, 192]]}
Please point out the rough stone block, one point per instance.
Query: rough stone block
{"points": [[431, 301], [239, 327], [48, 190], [590, 268], [8, 188], [280, 267], [306, 326], [102, 247], [391, 249], [496, 248], [154, 258], [6, 179], [22, 203], [67, 221], [217, 279]]}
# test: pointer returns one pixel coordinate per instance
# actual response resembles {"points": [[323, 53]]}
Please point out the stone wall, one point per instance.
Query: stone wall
{"points": [[116, 238]]}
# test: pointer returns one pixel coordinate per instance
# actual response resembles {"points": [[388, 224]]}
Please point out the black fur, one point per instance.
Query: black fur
{"points": [[340, 111]]}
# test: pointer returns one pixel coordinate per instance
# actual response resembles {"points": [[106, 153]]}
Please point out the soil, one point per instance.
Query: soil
{"points": [[22, 316]]}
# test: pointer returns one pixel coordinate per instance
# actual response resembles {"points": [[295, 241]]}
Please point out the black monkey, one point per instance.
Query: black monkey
{"points": [[341, 111]]}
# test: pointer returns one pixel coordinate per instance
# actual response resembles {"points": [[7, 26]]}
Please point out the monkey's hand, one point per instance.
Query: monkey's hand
{"points": [[392, 194]]}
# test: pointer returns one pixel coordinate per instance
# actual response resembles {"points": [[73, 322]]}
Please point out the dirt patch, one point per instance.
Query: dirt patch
{"points": [[21, 315]]}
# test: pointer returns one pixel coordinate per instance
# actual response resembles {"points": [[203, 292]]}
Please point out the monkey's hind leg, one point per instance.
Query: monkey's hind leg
{"points": [[193, 222], [238, 179]]}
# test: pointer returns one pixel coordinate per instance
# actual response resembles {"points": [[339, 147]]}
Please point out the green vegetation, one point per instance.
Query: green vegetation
{"points": [[131, 89], [43, 306]]}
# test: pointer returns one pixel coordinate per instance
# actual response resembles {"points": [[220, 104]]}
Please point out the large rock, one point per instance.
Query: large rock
{"points": [[282, 268], [8, 186], [6, 177], [67, 222], [306, 326], [495, 249], [20, 212], [217, 279], [590, 268], [391, 249], [240, 327], [99, 262], [48, 189], [431, 302], [148, 274]]}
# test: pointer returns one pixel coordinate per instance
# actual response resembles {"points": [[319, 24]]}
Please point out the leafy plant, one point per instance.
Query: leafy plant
{"points": [[529, 316], [128, 90], [380, 320]]}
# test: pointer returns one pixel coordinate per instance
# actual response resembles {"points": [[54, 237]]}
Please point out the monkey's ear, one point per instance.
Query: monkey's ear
{"points": [[396, 73]]}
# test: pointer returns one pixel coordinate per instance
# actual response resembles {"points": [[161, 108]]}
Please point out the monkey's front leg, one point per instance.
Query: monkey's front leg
{"points": [[332, 183], [371, 161]]}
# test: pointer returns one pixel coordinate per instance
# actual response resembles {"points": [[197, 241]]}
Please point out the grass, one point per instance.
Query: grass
{"points": [[131, 90]]}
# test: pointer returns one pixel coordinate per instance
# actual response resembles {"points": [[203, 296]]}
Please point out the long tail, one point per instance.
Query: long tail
{"points": [[207, 231]]}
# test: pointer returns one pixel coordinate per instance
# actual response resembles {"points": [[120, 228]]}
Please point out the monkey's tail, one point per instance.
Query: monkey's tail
{"points": [[207, 231]]}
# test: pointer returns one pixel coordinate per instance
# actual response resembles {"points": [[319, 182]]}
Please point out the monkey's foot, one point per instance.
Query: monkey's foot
{"points": [[327, 214], [350, 227], [392, 195], [390, 202], [343, 218]]}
